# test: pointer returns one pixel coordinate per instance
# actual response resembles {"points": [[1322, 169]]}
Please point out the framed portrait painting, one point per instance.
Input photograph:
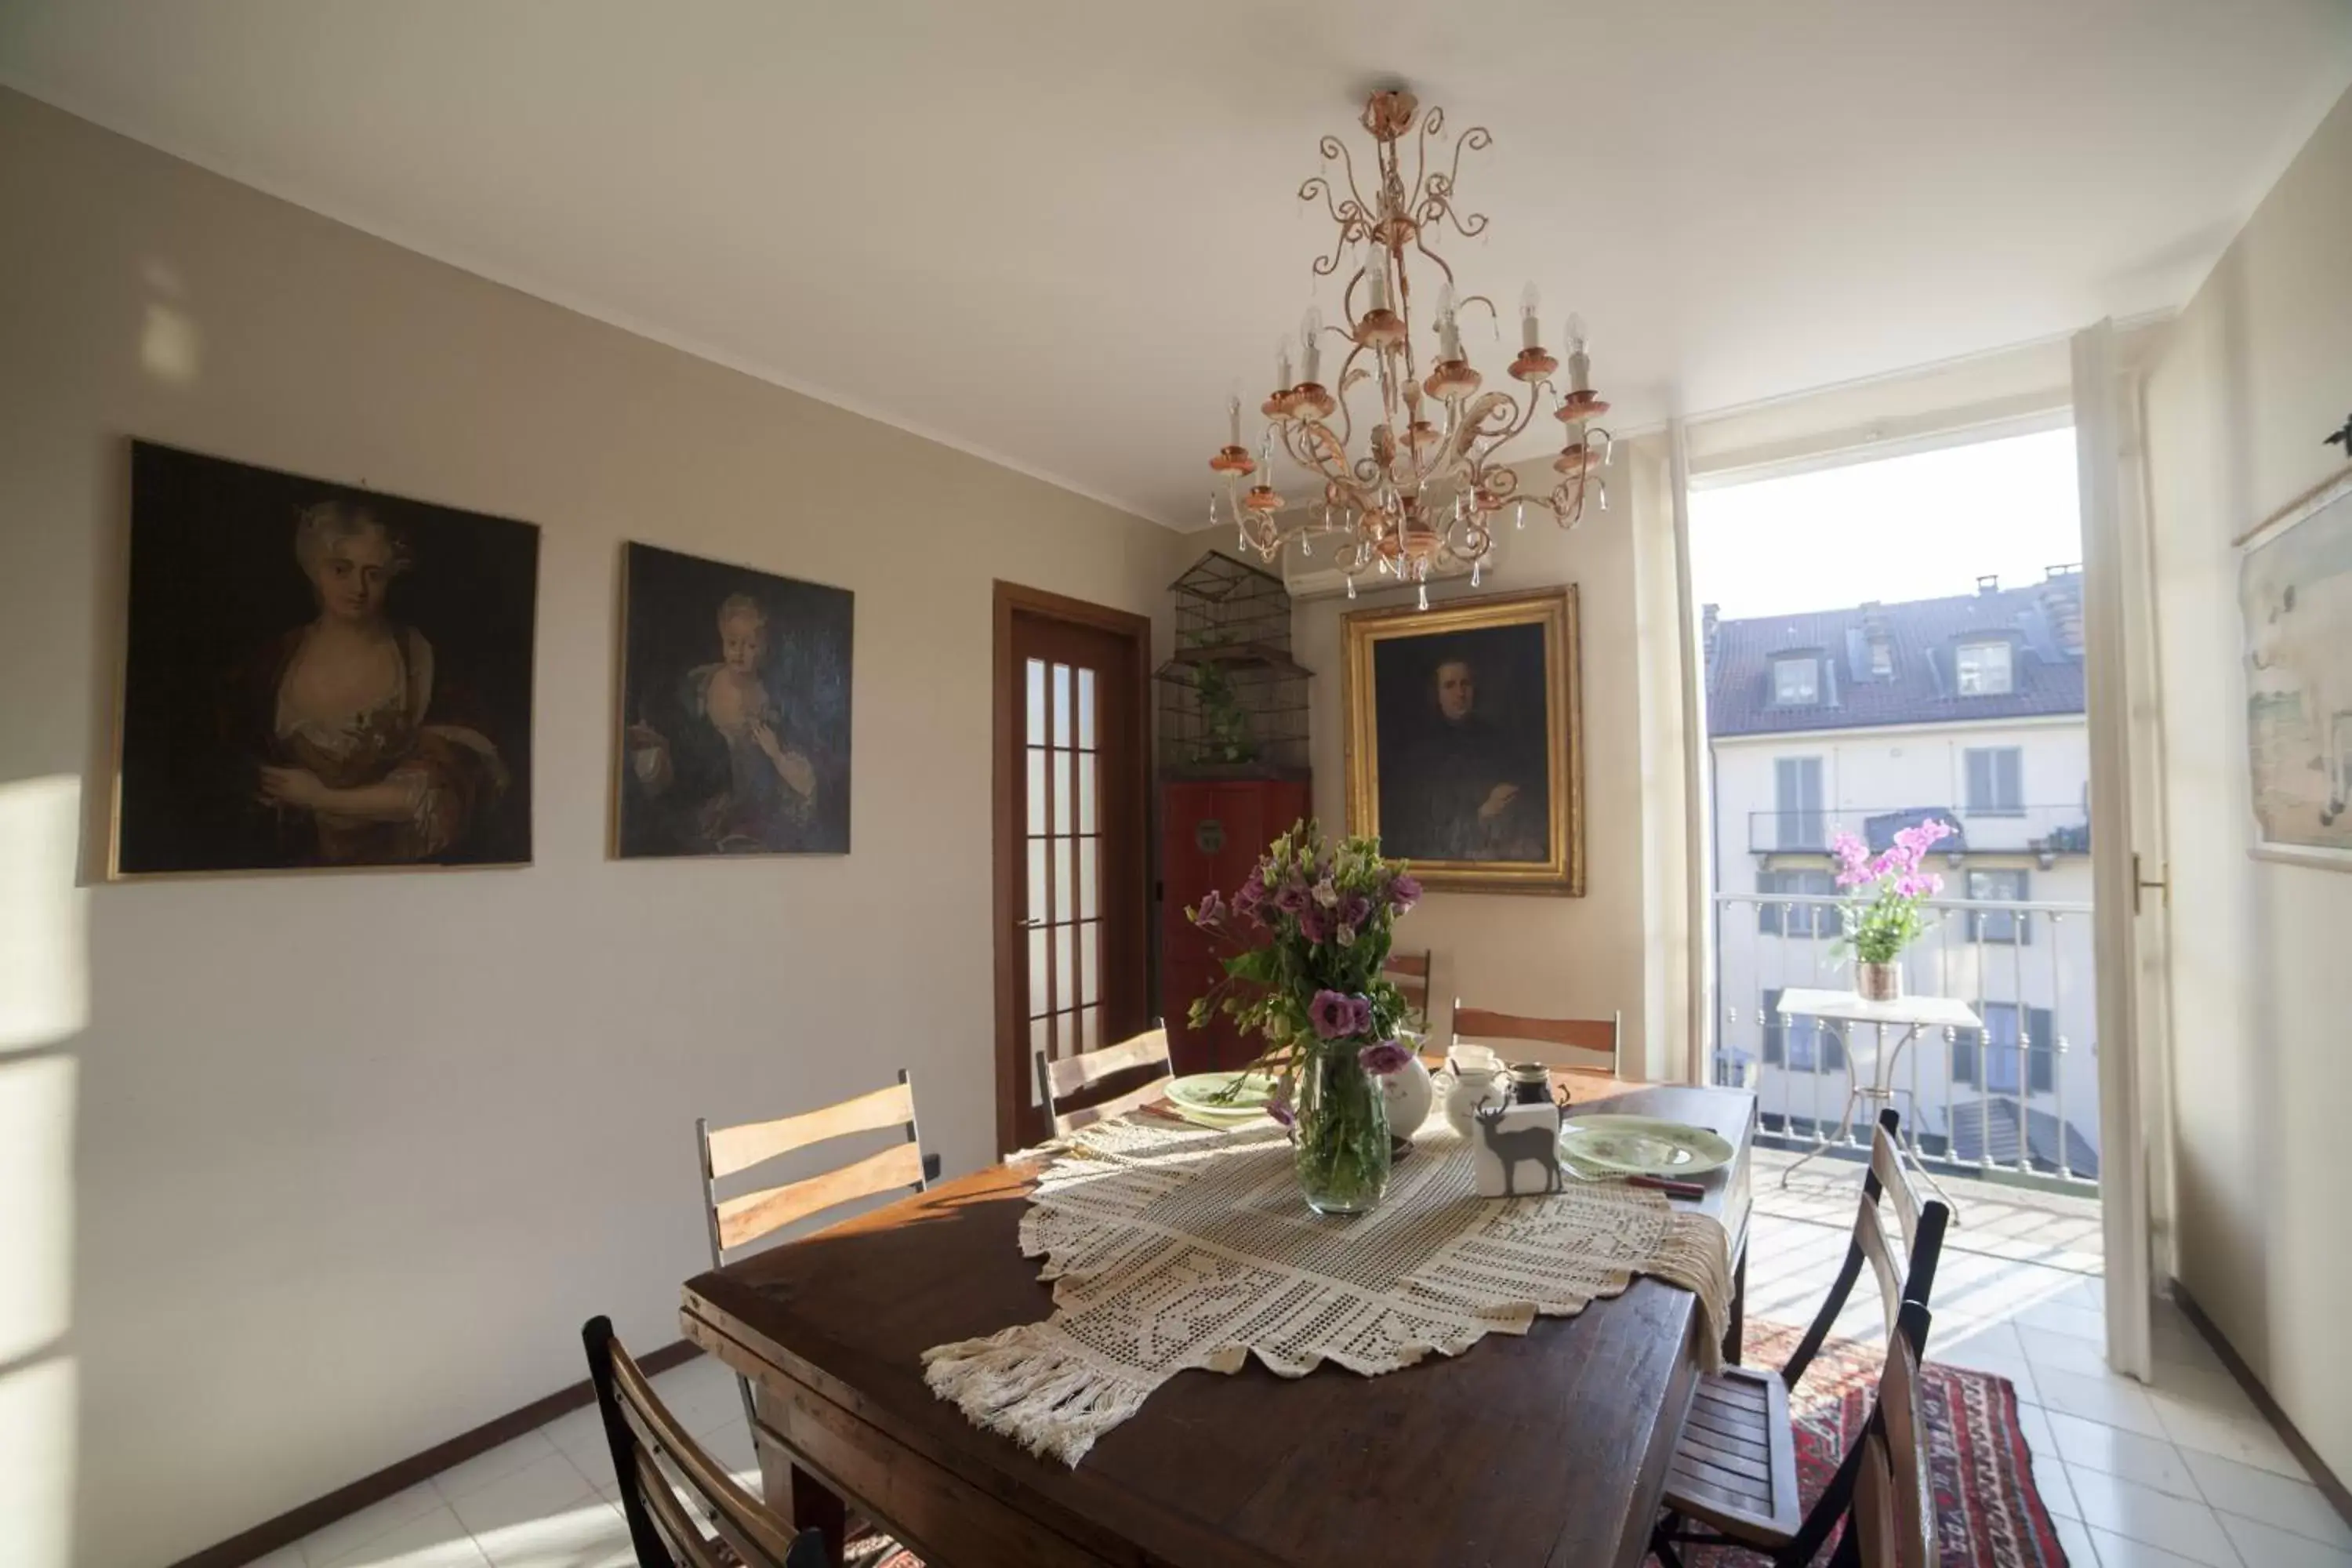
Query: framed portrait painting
{"points": [[317, 677], [1465, 741], [734, 722], [2294, 595]]}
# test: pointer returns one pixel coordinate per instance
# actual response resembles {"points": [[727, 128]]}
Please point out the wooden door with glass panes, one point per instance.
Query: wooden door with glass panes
{"points": [[1070, 733]]}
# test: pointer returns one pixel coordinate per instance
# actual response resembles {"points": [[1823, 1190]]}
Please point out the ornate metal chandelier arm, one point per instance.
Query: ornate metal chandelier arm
{"points": [[1353, 224], [1332, 147]]}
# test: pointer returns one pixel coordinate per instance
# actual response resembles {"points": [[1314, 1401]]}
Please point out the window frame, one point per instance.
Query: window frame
{"points": [[1807, 921], [2004, 928], [1811, 822], [1962, 672], [2000, 803], [1811, 662], [1973, 1051]]}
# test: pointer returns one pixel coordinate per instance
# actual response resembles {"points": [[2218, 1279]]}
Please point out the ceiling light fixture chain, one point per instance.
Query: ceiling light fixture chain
{"points": [[1422, 496]]}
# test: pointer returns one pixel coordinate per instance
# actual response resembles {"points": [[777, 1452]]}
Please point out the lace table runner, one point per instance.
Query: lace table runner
{"points": [[1172, 1246]]}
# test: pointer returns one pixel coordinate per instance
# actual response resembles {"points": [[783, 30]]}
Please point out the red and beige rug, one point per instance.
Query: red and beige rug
{"points": [[1989, 1513]]}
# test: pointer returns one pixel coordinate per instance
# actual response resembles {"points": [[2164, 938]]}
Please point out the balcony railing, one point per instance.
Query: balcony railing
{"points": [[2019, 1097], [2044, 830]]}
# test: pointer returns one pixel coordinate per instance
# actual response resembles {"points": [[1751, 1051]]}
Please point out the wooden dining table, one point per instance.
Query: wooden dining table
{"points": [[1548, 1448]]}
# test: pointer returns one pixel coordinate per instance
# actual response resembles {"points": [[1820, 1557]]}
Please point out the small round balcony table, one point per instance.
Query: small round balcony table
{"points": [[1912, 1014]]}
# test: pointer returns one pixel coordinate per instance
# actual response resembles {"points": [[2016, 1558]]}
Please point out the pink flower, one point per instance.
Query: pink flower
{"points": [[1212, 912], [1404, 891], [1314, 924], [1338, 1016], [1384, 1058]]}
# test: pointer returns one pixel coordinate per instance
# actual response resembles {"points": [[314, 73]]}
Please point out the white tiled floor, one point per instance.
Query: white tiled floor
{"points": [[2182, 1472]]}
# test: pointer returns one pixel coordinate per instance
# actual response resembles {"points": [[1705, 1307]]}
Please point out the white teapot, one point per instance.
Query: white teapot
{"points": [[1473, 1079]]}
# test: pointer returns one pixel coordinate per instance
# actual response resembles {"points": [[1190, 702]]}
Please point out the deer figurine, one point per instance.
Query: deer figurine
{"points": [[1511, 1135]]}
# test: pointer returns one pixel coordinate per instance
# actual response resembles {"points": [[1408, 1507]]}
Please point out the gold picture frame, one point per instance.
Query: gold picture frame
{"points": [[1459, 803]]}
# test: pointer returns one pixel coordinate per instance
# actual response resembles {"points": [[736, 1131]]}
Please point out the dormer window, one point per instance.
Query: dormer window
{"points": [[1882, 659], [1797, 683], [1983, 670]]}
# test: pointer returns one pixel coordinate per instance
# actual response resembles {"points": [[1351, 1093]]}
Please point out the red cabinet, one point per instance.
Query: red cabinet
{"points": [[1213, 831]]}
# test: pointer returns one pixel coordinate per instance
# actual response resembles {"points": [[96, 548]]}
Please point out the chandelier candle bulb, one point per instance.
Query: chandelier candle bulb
{"points": [[1310, 346], [1530, 325]]}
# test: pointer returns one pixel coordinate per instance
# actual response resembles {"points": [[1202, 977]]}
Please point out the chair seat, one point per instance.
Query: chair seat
{"points": [[1736, 1466]]}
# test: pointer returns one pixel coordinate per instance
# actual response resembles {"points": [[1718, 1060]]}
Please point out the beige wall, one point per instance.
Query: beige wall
{"points": [[356, 1155], [1601, 954], [2256, 370]]}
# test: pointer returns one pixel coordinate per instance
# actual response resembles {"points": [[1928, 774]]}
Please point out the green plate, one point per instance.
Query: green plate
{"points": [[1200, 1096], [1642, 1145]]}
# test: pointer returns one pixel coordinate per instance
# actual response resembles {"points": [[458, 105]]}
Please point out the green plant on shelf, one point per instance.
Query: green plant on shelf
{"points": [[1224, 723]]}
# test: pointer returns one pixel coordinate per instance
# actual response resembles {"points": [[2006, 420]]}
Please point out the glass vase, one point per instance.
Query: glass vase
{"points": [[1342, 1137]]}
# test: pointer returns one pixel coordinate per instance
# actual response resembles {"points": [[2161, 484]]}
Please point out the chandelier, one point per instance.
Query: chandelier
{"points": [[1423, 492]]}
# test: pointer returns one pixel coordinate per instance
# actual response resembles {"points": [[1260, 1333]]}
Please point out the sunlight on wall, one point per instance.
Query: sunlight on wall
{"points": [[171, 347], [36, 1465], [44, 1001], [44, 965]]}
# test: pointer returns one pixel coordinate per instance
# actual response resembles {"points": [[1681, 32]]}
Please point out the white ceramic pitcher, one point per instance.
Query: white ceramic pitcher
{"points": [[1473, 1079]]}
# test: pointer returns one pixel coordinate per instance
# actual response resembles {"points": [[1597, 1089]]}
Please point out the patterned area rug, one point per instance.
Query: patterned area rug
{"points": [[1988, 1513]]}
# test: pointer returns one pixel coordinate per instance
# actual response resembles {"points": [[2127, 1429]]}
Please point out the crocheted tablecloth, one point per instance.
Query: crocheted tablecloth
{"points": [[1173, 1247]]}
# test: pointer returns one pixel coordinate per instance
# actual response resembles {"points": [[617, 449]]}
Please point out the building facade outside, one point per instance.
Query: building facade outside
{"points": [[1873, 718]]}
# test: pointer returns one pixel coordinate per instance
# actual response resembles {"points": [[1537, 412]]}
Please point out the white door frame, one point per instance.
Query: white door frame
{"points": [[2128, 926]]}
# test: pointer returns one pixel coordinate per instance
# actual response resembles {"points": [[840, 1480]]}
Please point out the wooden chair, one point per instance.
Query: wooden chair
{"points": [[654, 1461], [740, 1221], [1735, 1468], [1063, 1084], [1894, 1523], [1577, 1045], [1410, 973]]}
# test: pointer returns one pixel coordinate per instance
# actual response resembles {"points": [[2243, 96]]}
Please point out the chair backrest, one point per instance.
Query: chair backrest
{"points": [[654, 1460], [1589, 1045], [1894, 1518], [1902, 1265], [1409, 973], [728, 1151], [1067, 1086]]}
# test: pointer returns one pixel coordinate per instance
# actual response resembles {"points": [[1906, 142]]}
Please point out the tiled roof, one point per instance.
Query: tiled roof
{"points": [[2043, 624]]}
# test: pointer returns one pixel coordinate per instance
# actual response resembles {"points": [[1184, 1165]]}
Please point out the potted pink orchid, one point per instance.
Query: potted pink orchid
{"points": [[1882, 913]]}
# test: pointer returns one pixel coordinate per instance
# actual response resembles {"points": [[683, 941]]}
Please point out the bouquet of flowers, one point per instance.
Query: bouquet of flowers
{"points": [[1883, 920], [1313, 922]]}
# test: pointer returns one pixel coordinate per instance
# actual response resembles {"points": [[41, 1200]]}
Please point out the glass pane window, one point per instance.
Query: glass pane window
{"points": [[1998, 925], [1995, 779], [1800, 821], [1983, 670], [1797, 683]]}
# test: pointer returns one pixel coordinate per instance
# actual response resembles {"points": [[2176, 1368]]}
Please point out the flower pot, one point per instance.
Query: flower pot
{"points": [[1879, 982], [1340, 1140]]}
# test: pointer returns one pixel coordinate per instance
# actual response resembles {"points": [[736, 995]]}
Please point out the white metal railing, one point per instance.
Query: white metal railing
{"points": [[2022, 1097]]}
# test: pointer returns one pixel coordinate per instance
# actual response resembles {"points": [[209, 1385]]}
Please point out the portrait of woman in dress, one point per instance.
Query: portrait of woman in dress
{"points": [[341, 706], [735, 710]]}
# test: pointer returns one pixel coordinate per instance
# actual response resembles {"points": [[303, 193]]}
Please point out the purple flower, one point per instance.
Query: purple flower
{"points": [[1291, 897], [1247, 897], [1279, 1108], [1337, 1016], [1212, 912], [1314, 924], [1404, 891], [1384, 1058], [1355, 910]]}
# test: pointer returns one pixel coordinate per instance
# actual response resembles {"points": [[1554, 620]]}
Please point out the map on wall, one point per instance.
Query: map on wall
{"points": [[2295, 592]]}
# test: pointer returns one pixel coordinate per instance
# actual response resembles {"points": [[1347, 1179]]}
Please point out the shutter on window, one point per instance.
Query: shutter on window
{"points": [[1772, 1029], [1979, 780], [2011, 778], [1964, 1056], [1768, 915], [2042, 1061]]}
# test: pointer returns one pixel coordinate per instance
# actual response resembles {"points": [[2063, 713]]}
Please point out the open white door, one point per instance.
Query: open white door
{"points": [[2126, 833]]}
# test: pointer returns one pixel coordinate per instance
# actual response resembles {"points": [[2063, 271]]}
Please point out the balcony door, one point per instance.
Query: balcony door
{"points": [[1071, 836]]}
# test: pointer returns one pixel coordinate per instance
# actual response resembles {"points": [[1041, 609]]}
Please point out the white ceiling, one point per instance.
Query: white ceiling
{"points": [[1057, 234]]}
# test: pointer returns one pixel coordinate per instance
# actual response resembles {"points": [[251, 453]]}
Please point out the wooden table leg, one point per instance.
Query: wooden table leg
{"points": [[1737, 1328], [815, 1506], [803, 1500]]}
